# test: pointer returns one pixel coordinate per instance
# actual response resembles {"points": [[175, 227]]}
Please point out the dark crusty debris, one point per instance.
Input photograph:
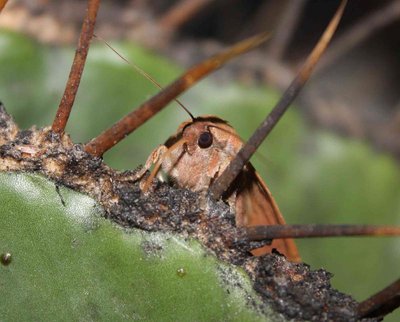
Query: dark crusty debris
{"points": [[8, 129], [292, 289]]}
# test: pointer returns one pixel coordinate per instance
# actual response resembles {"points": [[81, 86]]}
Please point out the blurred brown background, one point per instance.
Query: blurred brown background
{"points": [[355, 91]]}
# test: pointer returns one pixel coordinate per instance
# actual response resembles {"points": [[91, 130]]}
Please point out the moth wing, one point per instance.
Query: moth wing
{"points": [[255, 206]]}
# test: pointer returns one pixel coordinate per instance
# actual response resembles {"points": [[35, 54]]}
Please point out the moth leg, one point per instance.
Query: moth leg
{"points": [[155, 158], [152, 159]]}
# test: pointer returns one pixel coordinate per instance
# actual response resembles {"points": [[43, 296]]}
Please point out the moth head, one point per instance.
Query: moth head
{"points": [[198, 151], [206, 133]]}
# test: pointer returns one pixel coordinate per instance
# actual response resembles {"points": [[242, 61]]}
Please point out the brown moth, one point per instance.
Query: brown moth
{"points": [[198, 153]]}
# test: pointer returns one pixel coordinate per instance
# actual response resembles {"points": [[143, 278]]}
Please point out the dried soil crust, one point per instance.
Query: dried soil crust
{"points": [[292, 289]]}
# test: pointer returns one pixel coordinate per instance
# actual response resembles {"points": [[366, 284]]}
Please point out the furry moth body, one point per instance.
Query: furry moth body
{"points": [[198, 153]]}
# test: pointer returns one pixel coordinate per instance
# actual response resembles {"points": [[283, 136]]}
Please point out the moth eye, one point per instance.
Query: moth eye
{"points": [[205, 140]]}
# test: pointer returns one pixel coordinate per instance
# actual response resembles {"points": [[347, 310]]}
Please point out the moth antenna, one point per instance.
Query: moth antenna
{"points": [[130, 122], [143, 73]]}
